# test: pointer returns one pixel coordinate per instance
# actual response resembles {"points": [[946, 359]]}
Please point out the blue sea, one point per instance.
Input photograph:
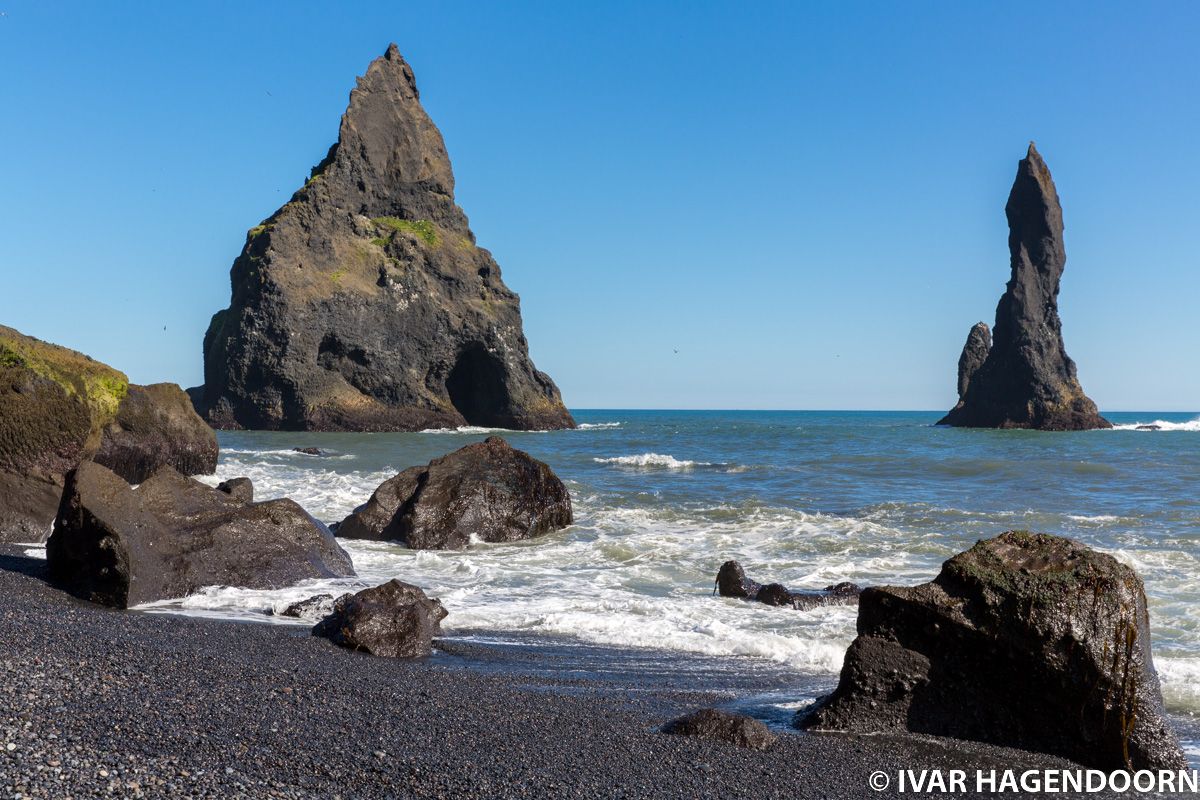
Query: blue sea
{"points": [[662, 498]]}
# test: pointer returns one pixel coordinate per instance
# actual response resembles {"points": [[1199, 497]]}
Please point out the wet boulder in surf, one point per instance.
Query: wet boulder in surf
{"points": [[732, 582], [172, 535], [488, 492], [394, 620], [364, 302], [1027, 380], [1026, 640], [722, 726]]}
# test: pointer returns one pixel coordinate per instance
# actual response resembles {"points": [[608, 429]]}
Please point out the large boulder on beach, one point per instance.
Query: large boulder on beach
{"points": [[59, 407], [54, 403], [157, 426], [486, 492], [1026, 379], [722, 726], [172, 535], [364, 302], [1026, 640], [394, 620]]}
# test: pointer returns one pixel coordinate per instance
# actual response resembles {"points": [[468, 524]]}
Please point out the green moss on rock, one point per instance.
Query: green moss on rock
{"points": [[101, 387], [423, 229]]}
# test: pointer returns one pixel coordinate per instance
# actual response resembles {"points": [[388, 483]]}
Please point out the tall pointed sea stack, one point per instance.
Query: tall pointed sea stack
{"points": [[364, 303], [1027, 380]]}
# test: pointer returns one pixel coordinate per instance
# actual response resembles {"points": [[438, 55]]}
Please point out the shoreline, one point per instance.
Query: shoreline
{"points": [[165, 705]]}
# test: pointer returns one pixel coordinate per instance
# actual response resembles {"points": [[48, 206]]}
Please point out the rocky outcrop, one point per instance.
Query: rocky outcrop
{"points": [[395, 620], [364, 303], [1025, 640], [732, 582], [157, 426], [487, 492], [59, 407], [1027, 380], [974, 353], [120, 546], [721, 726]]}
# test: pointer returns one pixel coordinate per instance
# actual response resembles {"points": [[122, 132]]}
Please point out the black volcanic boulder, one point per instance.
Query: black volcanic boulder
{"points": [[1026, 640], [120, 546], [157, 426], [53, 405], [1026, 379], [394, 620], [732, 582], [488, 492], [364, 303], [59, 407], [721, 726]]}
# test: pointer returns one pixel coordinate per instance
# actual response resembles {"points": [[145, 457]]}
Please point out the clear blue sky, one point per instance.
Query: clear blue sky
{"points": [[806, 200]]}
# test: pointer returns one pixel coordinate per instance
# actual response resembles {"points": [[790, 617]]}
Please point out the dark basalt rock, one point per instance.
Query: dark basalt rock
{"points": [[709, 723], [488, 490], [308, 451], [120, 546], [240, 489], [1026, 640], [974, 353], [732, 582], [1027, 380], [59, 407], [395, 620], [364, 302], [157, 426], [315, 607]]}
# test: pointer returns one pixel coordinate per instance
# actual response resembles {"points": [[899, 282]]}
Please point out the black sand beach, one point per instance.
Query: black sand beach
{"points": [[105, 703]]}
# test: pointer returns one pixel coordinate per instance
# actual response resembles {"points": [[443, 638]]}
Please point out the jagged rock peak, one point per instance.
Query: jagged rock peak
{"points": [[364, 302], [1027, 379]]}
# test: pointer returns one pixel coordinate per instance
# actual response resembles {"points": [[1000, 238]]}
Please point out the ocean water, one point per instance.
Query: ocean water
{"points": [[662, 498]]}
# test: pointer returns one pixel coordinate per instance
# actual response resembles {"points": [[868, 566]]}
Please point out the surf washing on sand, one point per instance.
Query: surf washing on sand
{"points": [[812, 498]]}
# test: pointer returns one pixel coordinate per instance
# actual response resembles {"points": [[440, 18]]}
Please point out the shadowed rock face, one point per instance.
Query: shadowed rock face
{"points": [[156, 425], [1027, 380], [974, 353], [364, 303], [59, 407], [119, 546], [1025, 640]]}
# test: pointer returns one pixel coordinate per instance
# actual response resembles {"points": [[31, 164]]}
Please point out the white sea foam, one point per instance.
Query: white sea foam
{"points": [[595, 426], [651, 460], [1159, 425]]}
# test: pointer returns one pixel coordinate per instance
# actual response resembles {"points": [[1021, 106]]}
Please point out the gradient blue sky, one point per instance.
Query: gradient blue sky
{"points": [[806, 200]]}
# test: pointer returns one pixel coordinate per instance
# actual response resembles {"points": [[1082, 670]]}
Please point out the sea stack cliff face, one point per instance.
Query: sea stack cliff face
{"points": [[364, 302], [1026, 380]]}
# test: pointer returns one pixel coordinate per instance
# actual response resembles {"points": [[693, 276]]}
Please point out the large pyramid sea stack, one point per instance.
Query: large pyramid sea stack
{"points": [[364, 303], [1027, 380]]}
